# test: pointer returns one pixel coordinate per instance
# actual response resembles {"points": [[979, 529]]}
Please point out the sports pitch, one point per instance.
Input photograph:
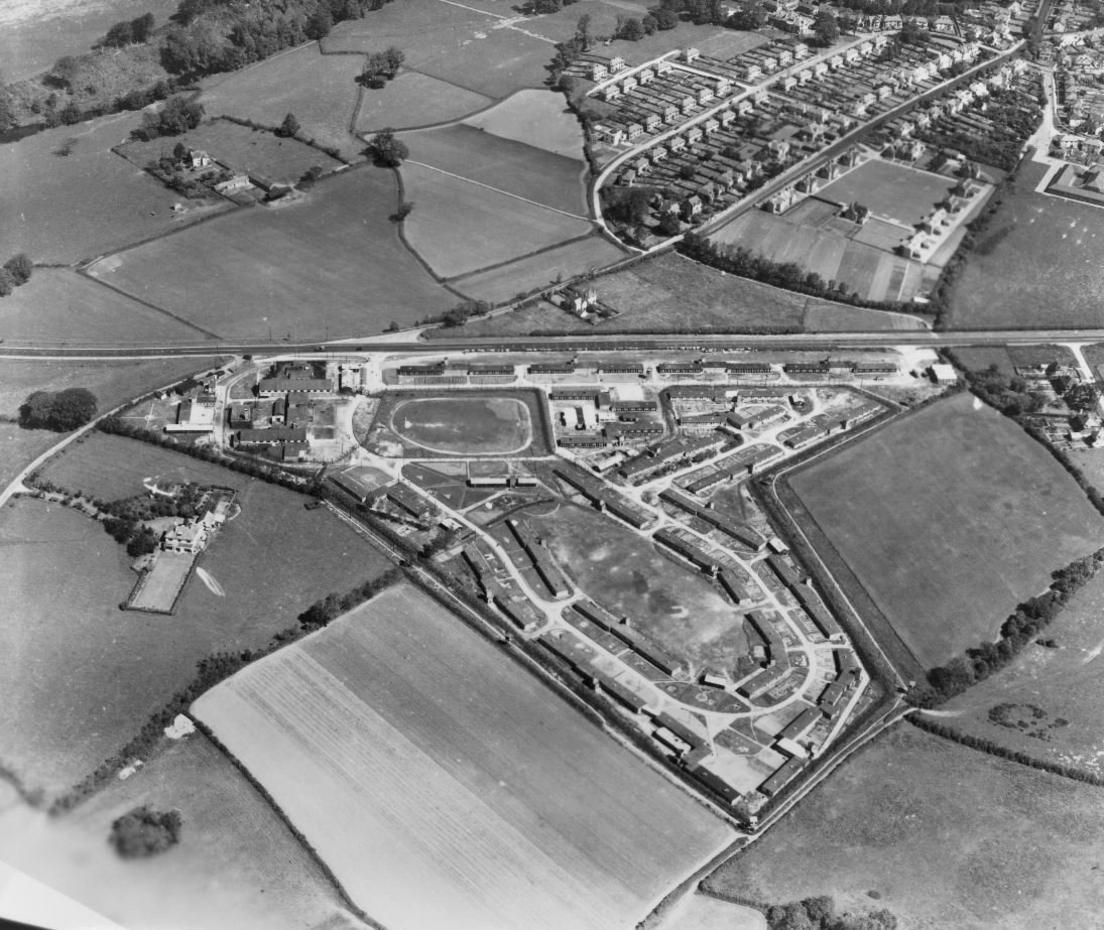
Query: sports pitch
{"points": [[448, 787], [949, 517], [465, 425], [901, 194]]}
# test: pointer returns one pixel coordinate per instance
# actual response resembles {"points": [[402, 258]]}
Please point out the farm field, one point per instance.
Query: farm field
{"points": [[514, 167], [836, 318], [85, 675], [520, 814], [945, 836], [506, 282], [672, 605], [319, 89], [459, 227], [453, 43], [949, 517], [60, 209], [536, 117], [415, 99], [1036, 265], [890, 190], [60, 306], [1048, 702], [701, 912], [252, 273], [237, 863], [462, 425], [252, 151]]}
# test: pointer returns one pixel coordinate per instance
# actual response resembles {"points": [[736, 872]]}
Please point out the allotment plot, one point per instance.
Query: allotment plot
{"points": [[448, 787]]}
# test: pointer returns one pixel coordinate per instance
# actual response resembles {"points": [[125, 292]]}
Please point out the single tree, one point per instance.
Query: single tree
{"points": [[145, 832], [826, 28], [289, 127], [666, 19], [631, 29], [20, 267], [387, 151], [582, 32], [319, 23]]}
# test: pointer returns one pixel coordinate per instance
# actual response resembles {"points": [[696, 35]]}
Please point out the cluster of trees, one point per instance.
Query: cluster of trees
{"points": [[740, 260], [128, 32], [463, 311], [385, 150], [320, 613], [1013, 119], [381, 67], [15, 272], [144, 832], [1007, 393], [925, 9], [1019, 629], [178, 115], [59, 411], [819, 913], [547, 6], [699, 12]]}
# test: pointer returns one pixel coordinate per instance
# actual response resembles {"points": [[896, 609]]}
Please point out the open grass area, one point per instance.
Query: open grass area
{"points": [[505, 282], [535, 174], [1048, 702], [671, 604], [59, 209], [949, 517], [458, 226], [85, 675], [894, 191], [241, 149], [438, 763], [252, 274], [464, 425], [60, 306], [237, 864], [415, 99], [451, 42], [824, 317], [536, 117], [945, 836], [319, 89], [1037, 264]]}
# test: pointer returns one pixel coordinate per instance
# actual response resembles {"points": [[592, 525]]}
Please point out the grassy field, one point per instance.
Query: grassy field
{"points": [[415, 99], [439, 763], [890, 190], [836, 318], [949, 518], [59, 209], [243, 149], [672, 605], [463, 425], [1053, 697], [85, 674], [945, 836], [536, 117], [319, 89], [501, 284], [506, 165], [252, 274], [459, 227], [456, 44], [1036, 265], [236, 864], [60, 306]]}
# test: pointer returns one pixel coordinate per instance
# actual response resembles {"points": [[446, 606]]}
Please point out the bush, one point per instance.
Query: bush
{"points": [[145, 832]]}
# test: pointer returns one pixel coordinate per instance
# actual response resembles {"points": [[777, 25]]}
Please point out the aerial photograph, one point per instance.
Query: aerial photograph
{"points": [[552, 464]]}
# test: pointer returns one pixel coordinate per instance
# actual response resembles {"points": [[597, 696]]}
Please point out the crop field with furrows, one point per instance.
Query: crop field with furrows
{"points": [[435, 762], [85, 675], [60, 306], [241, 148], [320, 90], [415, 99], [1048, 701], [672, 604], [949, 517], [250, 275], [457, 44], [64, 208], [561, 263], [1036, 264], [514, 167], [941, 835], [458, 226]]}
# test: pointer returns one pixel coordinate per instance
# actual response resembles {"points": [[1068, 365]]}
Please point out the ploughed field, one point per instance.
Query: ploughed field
{"points": [[461, 425], [448, 787], [949, 517]]}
